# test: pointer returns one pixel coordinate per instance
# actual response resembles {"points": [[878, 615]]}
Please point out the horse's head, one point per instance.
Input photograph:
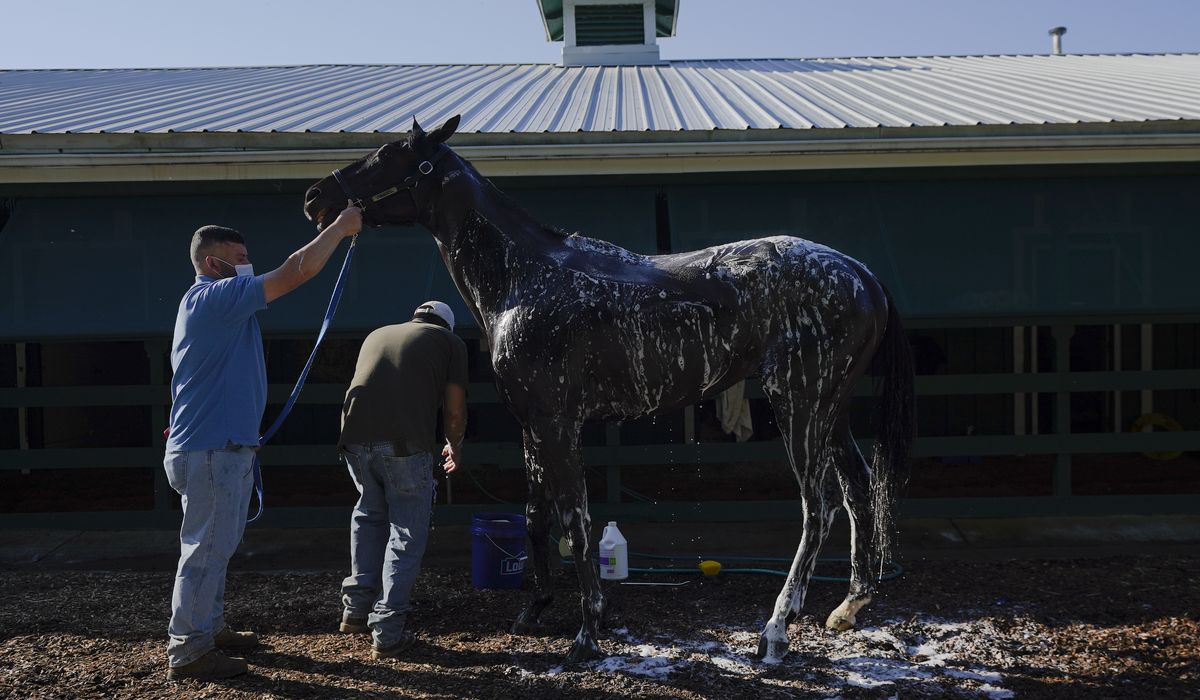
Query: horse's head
{"points": [[391, 185]]}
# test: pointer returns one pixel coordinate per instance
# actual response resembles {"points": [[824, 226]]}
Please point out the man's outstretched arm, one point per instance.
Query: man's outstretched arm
{"points": [[305, 263]]}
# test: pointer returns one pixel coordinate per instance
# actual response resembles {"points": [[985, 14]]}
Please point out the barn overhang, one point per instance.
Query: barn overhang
{"points": [[51, 158]]}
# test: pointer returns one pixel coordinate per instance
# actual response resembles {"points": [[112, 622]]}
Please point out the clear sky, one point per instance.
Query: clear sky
{"points": [[170, 33]]}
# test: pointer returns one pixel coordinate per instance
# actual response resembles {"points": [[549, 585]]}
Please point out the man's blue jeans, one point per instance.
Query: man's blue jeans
{"points": [[215, 486], [388, 533]]}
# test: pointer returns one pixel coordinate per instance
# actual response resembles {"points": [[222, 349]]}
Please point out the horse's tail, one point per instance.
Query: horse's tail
{"points": [[893, 368]]}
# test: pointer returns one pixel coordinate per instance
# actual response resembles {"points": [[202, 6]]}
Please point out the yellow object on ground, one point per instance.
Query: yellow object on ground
{"points": [[709, 567]]}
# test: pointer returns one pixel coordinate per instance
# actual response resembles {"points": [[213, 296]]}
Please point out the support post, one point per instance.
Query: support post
{"points": [[1147, 365], [1118, 419], [1062, 409], [156, 350], [22, 411], [1018, 347]]}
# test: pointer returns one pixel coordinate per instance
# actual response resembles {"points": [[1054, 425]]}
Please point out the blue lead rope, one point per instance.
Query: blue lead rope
{"points": [[287, 407]]}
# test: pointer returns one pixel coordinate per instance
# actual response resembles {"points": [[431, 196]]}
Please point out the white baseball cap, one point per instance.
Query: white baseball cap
{"points": [[438, 309]]}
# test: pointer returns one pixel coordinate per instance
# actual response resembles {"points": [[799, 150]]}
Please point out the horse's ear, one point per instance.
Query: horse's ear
{"points": [[416, 136], [445, 131]]}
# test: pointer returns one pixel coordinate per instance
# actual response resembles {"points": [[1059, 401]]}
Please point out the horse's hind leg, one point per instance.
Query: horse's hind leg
{"points": [[538, 510], [855, 478], [805, 425]]}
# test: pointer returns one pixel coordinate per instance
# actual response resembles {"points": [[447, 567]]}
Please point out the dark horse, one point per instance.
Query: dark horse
{"points": [[580, 329]]}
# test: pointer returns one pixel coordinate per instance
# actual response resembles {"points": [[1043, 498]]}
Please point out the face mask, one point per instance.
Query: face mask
{"points": [[246, 270]]}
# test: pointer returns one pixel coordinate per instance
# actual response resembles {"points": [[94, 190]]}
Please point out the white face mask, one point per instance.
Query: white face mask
{"points": [[246, 270]]}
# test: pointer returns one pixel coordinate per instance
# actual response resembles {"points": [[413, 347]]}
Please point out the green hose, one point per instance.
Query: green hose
{"points": [[894, 570]]}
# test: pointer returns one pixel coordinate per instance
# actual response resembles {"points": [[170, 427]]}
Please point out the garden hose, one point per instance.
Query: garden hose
{"points": [[891, 571]]}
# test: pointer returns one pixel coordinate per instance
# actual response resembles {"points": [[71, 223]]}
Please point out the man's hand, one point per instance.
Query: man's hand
{"points": [[349, 222], [452, 454]]}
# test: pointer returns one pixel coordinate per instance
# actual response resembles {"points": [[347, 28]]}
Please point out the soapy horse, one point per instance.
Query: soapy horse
{"points": [[580, 329]]}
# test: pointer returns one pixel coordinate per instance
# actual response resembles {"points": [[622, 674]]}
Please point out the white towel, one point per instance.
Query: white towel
{"points": [[734, 412]]}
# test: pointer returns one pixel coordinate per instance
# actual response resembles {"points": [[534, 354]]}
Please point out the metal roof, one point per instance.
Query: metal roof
{"points": [[677, 96]]}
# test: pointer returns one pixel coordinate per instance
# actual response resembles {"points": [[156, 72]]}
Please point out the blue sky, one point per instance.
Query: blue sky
{"points": [[144, 33]]}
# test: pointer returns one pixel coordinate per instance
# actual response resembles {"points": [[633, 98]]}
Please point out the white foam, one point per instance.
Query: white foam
{"points": [[929, 651], [866, 672], [994, 692]]}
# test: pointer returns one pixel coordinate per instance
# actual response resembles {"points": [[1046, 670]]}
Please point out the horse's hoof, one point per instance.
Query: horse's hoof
{"points": [[839, 623], [771, 651], [583, 651], [843, 616]]}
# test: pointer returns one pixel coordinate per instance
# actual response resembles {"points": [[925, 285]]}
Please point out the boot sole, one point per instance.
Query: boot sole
{"points": [[349, 628], [392, 652], [176, 677]]}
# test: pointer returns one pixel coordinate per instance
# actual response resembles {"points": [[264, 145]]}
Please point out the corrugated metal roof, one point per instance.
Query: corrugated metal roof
{"points": [[676, 96]]}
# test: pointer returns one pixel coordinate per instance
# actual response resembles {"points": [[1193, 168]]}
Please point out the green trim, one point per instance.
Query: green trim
{"points": [[511, 454], [662, 511], [485, 393], [609, 25], [665, 17]]}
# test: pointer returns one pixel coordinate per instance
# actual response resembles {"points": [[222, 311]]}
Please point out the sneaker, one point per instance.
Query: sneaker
{"points": [[407, 639], [228, 639], [352, 624], [212, 666]]}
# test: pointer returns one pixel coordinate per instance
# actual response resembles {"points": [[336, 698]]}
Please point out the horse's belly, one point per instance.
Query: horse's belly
{"points": [[643, 370]]}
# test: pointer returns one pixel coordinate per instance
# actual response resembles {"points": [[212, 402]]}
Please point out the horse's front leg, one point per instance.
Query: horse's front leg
{"points": [[573, 515], [557, 453], [537, 510]]}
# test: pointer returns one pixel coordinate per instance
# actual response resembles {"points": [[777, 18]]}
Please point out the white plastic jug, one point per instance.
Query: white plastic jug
{"points": [[614, 554]]}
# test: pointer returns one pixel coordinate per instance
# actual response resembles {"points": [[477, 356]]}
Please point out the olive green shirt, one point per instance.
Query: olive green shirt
{"points": [[398, 384]]}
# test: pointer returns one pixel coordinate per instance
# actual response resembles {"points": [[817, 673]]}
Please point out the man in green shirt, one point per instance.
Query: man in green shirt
{"points": [[389, 422]]}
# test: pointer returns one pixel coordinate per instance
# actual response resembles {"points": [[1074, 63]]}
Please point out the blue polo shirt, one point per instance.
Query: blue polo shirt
{"points": [[219, 389]]}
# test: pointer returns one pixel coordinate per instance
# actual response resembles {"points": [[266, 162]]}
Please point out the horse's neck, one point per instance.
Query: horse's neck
{"points": [[486, 241]]}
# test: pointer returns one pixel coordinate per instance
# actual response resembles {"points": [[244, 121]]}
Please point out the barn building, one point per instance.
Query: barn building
{"points": [[1030, 213]]}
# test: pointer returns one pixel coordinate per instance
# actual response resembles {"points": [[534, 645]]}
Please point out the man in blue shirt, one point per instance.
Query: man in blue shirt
{"points": [[218, 393]]}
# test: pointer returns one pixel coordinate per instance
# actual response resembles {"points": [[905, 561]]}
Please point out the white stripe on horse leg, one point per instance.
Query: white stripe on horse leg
{"points": [[854, 476]]}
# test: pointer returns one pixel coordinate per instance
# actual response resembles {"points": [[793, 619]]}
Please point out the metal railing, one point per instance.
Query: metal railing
{"points": [[613, 456]]}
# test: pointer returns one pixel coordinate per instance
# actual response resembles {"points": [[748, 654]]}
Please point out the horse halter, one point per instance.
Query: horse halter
{"points": [[410, 182]]}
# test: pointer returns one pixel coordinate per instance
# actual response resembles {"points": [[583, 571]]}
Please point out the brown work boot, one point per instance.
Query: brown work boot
{"points": [[407, 640], [228, 639], [212, 666], [353, 625]]}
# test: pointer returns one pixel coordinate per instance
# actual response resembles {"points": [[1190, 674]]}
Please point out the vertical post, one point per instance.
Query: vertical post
{"points": [[156, 353], [689, 425], [1118, 419], [22, 411], [1034, 409], [568, 25], [1062, 408], [1018, 346], [612, 438], [1147, 365], [649, 23]]}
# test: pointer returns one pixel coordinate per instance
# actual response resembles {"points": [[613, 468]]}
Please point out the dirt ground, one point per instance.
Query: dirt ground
{"points": [[1090, 628]]}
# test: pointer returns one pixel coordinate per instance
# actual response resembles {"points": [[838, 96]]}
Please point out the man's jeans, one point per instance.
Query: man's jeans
{"points": [[388, 533], [215, 486]]}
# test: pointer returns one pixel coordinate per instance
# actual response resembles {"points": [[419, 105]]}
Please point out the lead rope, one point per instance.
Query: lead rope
{"points": [[287, 407]]}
